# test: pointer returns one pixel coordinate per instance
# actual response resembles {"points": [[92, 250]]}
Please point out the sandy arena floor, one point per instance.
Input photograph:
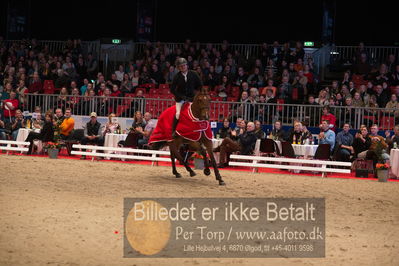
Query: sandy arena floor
{"points": [[67, 212]]}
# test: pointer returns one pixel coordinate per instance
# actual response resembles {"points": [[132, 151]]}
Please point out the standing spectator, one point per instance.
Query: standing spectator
{"points": [[119, 73], [92, 66], [10, 106], [81, 70]]}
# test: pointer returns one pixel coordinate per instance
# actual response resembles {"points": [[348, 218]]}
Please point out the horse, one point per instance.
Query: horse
{"points": [[200, 110]]}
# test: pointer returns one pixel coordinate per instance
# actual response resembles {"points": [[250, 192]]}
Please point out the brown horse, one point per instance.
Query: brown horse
{"points": [[200, 109]]}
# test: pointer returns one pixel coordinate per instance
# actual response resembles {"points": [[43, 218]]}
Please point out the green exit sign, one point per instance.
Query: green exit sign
{"points": [[308, 44], [116, 41]]}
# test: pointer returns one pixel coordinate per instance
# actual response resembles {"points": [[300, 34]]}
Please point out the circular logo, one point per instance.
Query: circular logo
{"points": [[147, 236]]}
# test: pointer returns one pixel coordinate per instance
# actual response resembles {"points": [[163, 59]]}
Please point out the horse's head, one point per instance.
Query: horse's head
{"points": [[201, 104]]}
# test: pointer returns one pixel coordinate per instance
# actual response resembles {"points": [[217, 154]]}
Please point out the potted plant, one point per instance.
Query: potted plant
{"points": [[381, 167], [382, 171], [198, 161], [52, 149]]}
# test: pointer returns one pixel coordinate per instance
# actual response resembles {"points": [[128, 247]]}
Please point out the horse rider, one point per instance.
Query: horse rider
{"points": [[184, 86]]}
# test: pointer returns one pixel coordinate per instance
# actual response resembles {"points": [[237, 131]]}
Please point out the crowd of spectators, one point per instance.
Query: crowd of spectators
{"points": [[279, 74]]}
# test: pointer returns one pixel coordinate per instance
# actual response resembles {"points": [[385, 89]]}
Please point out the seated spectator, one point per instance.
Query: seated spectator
{"points": [[62, 98], [329, 117], [92, 133], [307, 136], [46, 133], [375, 138], [285, 90], [277, 132], [224, 87], [256, 79], [58, 116], [67, 125], [381, 95], [259, 133], [270, 86], [344, 142], [115, 91], [327, 136], [357, 100], [296, 135], [347, 113], [394, 139], [394, 105], [146, 132], [361, 143], [36, 85], [364, 95], [323, 98], [3, 130], [111, 126], [245, 144], [37, 122], [225, 130], [16, 123]]}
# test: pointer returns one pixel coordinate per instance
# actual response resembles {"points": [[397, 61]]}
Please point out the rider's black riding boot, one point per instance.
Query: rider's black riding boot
{"points": [[175, 121]]}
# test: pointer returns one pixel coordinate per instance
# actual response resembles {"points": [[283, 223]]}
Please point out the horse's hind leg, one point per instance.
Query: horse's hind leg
{"points": [[174, 171]]}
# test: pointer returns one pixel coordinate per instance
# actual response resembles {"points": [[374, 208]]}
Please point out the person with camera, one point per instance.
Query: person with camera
{"points": [[184, 86]]}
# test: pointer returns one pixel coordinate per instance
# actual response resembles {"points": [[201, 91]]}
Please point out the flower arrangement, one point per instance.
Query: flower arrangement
{"points": [[382, 166], [53, 145], [196, 155]]}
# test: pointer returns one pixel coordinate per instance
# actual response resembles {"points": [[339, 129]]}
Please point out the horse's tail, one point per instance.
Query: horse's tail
{"points": [[157, 145]]}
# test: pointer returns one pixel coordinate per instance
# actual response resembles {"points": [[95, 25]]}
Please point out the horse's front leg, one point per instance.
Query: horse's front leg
{"points": [[175, 149], [209, 149], [206, 162], [174, 170]]}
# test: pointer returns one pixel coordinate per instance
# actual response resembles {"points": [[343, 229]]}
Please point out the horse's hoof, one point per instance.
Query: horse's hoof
{"points": [[222, 183], [177, 175], [192, 174], [207, 171]]}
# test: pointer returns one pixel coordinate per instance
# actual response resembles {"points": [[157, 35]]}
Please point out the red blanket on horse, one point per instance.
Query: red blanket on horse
{"points": [[189, 127]]}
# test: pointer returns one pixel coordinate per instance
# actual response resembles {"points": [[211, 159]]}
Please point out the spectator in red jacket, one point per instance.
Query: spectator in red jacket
{"points": [[10, 105], [36, 85], [329, 117]]}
